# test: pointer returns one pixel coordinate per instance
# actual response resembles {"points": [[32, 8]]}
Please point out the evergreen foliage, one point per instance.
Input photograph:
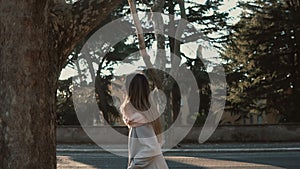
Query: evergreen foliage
{"points": [[262, 59]]}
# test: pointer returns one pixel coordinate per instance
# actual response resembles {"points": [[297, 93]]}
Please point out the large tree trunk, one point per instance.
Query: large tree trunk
{"points": [[28, 76], [35, 40]]}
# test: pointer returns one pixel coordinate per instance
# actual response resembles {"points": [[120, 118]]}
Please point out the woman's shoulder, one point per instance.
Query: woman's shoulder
{"points": [[129, 108], [124, 107]]}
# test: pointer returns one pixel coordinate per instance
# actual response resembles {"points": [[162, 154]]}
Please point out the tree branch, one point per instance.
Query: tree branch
{"points": [[142, 44], [179, 32], [156, 9], [176, 57], [76, 21], [139, 33]]}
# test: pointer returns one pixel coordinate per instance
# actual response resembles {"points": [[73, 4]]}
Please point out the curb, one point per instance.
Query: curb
{"points": [[222, 150]]}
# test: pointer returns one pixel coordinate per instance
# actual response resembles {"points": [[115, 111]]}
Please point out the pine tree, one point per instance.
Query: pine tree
{"points": [[262, 59]]}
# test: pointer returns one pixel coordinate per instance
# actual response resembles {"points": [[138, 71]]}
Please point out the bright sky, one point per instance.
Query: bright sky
{"points": [[189, 49]]}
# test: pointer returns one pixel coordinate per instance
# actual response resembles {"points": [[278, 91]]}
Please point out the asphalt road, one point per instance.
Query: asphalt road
{"points": [[268, 159]]}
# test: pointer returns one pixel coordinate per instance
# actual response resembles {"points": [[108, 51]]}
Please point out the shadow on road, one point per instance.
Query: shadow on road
{"points": [[192, 160]]}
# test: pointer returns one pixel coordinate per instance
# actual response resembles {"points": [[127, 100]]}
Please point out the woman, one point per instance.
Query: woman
{"points": [[144, 125]]}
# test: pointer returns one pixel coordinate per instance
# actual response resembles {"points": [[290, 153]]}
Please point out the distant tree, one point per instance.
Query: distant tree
{"points": [[90, 63], [103, 80], [262, 59], [211, 21], [65, 109], [199, 68]]}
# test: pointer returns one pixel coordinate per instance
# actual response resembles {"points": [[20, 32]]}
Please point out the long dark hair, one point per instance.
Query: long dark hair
{"points": [[138, 91]]}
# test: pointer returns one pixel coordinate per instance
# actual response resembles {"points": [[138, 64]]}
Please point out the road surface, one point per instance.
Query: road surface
{"points": [[232, 156]]}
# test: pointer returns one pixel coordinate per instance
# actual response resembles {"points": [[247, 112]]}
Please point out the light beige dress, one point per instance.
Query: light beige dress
{"points": [[143, 146]]}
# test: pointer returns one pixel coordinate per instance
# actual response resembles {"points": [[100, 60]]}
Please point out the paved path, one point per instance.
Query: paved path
{"points": [[266, 156]]}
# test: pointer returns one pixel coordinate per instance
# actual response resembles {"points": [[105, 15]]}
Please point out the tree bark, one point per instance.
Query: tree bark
{"points": [[156, 10], [28, 78], [146, 57], [139, 33], [176, 58], [35, 40]]}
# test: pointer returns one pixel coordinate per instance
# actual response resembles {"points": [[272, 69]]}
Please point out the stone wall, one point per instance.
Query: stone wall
{"points": [[230, 133]]}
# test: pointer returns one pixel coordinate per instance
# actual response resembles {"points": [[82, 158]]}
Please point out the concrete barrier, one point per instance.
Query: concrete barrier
{"points": [[230, 133]]}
